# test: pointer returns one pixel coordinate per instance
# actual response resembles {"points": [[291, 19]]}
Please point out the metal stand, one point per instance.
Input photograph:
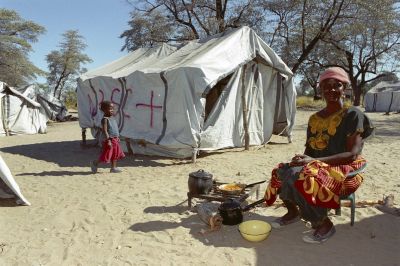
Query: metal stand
{"points": [[216, 195]]}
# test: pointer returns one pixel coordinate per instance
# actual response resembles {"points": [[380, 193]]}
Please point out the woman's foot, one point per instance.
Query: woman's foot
{"points": [[322, 232], [290, 217], [283, 221]]}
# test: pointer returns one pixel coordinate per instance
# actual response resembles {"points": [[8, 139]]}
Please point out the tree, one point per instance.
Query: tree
{"points": [[16, 36], [362, 36], [65, 65], [369, 46], [156, 21], [298, 26]]}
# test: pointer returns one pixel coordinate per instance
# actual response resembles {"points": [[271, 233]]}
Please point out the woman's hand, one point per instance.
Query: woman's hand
{"points": [[109, 143], [300, 159]]}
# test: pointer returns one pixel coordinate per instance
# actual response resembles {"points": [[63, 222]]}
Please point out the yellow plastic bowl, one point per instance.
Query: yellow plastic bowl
{"points": [[254, 230]]}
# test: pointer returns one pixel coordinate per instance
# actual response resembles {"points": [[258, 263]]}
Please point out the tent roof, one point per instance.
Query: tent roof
{"points": [[222, 53], [138, 59], [4, 89], [385, 86]]}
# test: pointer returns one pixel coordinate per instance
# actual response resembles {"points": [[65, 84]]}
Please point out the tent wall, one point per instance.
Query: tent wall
{"points": [[162, 107], [20, 114], [8, 180], [385, 101]]}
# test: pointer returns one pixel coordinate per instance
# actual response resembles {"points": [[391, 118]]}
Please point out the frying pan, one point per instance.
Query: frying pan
{"points": [[223, 189]]}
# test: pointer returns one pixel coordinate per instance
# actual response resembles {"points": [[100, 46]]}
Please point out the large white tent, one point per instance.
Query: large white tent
{"points": [[19, 113], [384, 97], [175, 103]]}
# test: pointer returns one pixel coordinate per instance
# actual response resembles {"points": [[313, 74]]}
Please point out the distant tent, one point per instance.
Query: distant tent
{"points": [[384, 97], [194, 98], [53, 107], [19, 113]]}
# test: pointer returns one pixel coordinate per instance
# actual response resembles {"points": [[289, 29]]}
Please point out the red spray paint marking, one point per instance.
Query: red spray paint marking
{"points": [[151, 106]]}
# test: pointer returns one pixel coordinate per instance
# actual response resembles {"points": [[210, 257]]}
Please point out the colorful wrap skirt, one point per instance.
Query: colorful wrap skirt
{"points": [[319, 183], [113, 153]]}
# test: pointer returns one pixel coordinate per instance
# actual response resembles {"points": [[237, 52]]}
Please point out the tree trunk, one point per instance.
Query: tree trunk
{"points": [[220, 19], [316, 95], [356, 91], [245, 112]]}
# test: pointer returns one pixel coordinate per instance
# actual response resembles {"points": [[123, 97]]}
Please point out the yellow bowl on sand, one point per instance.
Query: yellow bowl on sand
{"points": [[254, 230]]}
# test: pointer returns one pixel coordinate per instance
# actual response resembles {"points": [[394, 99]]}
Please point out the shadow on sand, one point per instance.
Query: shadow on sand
{"points": [[71, 154], [367, 241]]}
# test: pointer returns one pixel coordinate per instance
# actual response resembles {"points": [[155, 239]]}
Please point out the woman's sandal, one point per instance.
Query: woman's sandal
{"points": [[318, 238], [280, 222]]}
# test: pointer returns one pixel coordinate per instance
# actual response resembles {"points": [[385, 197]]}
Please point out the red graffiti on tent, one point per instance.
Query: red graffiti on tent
{"points": [[118, 100], [151, 106]]}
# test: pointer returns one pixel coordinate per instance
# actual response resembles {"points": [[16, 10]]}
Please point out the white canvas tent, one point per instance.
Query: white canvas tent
{"points": [[8, 186], [384, 97], [195, 98], [54, 108], [19, 113]]}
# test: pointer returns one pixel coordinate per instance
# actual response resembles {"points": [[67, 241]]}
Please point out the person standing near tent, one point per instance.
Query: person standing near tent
{"points": [[313, 182], [111, 148]]}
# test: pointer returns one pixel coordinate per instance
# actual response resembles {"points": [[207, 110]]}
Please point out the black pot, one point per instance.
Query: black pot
{"points": [[200, 182], [231, 210]]}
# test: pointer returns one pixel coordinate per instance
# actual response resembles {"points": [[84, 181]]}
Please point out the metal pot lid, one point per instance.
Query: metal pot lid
{"points": [[201, 174], [230, 204]]}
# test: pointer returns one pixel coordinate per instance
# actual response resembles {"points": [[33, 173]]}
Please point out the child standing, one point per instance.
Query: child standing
{"points": [[111, 149]]}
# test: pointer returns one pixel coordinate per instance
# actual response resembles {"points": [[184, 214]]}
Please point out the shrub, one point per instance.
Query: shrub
{"points": [[71, 100]]}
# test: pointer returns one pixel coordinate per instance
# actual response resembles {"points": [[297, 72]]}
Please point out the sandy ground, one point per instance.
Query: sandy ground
{"points": [[140, 217]]}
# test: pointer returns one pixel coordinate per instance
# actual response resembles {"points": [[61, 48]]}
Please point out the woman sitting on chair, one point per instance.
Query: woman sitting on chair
{"points": [[313, 182]]}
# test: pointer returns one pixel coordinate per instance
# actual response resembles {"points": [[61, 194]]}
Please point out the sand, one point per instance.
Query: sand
{"points": [[140, 216]]}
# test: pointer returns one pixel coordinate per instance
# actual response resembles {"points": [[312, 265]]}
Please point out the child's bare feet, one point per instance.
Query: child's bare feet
{"points": [[93, 166]]}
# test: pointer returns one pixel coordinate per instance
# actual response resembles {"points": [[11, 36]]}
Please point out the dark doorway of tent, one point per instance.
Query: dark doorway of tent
{"points": [[214, 94]]}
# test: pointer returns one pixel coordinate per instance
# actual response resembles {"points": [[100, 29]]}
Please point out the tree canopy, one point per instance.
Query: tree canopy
{"points": [[16, 36], [156, 21], [362, 36], [65, 64]]}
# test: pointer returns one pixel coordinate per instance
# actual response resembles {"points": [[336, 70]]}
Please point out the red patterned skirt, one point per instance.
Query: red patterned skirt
{"points": [[112, 153], [321, 184]]}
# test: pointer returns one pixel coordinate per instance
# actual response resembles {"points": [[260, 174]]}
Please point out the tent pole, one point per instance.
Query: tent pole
{"points": [[128, 146], [245, 112], [83, 136]]}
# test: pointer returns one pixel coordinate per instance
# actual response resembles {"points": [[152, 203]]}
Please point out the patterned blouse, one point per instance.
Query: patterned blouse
{"points": [[327, 136]]}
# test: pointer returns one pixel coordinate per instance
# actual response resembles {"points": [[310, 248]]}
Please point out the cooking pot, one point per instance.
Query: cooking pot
{"points": [[200, 182], [231, 210]]}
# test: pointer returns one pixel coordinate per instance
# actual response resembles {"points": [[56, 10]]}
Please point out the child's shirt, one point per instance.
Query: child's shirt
{"points": [[112, 127]]}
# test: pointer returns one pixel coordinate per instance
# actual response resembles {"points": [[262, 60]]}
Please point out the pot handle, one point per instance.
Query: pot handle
{"points": [[252, 205], [256, 183]]}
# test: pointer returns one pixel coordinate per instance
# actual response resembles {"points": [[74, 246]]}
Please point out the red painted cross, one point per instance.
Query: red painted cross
{"points": [[151, 107]]}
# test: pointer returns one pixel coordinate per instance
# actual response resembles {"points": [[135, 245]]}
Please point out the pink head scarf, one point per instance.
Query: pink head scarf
{"points": [[337, 73]]}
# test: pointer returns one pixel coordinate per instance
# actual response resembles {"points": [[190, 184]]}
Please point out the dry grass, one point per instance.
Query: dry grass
{"points": [[306, 102]]}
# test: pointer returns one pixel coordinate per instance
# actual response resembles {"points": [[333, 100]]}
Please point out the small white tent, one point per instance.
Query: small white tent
{"points": [[195, 98], [54, 108], [19, 113], [384, 97]]}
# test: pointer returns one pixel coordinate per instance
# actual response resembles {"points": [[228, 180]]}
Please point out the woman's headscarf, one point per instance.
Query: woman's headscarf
{"points": [[337, 73]]}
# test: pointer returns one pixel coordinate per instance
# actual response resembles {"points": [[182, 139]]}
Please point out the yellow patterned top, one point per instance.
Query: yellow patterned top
{"points": [[323, 128]]}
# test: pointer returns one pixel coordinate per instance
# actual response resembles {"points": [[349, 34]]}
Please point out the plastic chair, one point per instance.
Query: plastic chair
{"points": [[351, 197]]}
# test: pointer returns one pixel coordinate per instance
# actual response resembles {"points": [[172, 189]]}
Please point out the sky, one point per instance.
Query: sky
{"points": [[100, 22]]}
